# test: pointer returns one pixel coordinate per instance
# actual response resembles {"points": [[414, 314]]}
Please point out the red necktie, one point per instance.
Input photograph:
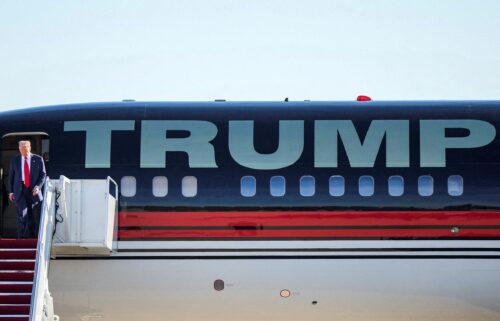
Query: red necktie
{"points": [[26, 173]]}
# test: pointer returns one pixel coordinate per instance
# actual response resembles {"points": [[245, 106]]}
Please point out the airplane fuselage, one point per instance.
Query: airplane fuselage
{"points": [[290, 210]]}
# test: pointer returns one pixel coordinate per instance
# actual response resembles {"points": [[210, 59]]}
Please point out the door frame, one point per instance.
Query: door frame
{"points": [[4, 171]]}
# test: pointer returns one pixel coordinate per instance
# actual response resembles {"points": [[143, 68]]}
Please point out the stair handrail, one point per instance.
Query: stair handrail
{"points": [[42, 307]]}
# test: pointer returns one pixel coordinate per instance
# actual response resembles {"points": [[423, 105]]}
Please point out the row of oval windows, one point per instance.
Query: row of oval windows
{"points": [[366, 185], [307, 186], [189, 186]]}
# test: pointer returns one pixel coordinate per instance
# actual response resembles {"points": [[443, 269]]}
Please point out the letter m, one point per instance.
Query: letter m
{"points": [[362, 154]]}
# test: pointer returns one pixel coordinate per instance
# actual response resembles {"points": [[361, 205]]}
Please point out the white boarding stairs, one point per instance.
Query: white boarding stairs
{"points": [[77, 218]]}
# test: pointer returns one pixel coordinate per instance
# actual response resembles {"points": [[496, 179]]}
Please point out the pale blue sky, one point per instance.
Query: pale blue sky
{"points": [[55, 52]]}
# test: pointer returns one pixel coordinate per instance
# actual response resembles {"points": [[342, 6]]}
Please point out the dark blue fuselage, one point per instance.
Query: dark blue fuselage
{"points": [[220, 188]]}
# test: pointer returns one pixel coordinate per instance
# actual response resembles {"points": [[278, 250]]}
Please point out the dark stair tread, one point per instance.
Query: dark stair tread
{"points": [[14, 318], [15, 298], [16, 276], [14, 309], [16, 288], [18, 254], [17, 265], [18, 244]]}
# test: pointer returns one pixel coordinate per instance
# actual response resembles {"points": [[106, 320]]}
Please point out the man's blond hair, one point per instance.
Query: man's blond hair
{"points": [[24, 142]]}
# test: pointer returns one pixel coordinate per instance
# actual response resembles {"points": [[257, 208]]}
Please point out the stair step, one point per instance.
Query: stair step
{"points": [[15, 298], [15, 309], [16, 287], [18, 244], [17, 254], [16, 276], [17, 265], [14, 317]]}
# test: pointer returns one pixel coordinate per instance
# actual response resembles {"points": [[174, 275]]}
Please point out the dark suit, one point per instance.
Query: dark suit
{"points": [[23, 196]]}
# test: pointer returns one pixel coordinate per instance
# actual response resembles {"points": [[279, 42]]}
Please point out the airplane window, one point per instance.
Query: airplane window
{"points": [[248, 186], [307, 186], [278, 186], [425, 185], [366, 185], [189, 186], [160, 186], [455, 185], [128, 186], [337, 185], [396, 185]]}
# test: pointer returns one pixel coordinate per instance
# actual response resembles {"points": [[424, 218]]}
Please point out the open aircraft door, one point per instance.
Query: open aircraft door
{"points": [[9, 148]]}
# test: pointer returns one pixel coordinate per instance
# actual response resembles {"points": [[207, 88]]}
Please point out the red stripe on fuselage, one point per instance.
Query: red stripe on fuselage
{"points": [[309, 224], [309, 218], [307, 234]]}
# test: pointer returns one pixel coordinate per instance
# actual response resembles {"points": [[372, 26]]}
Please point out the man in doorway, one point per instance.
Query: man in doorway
{"points": [[26, 178]]}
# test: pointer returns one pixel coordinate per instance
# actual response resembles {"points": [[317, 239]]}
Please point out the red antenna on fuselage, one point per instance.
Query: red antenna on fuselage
{"points": [[363, 98]]}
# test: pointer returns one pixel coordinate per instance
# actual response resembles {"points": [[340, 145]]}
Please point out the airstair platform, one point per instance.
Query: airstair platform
{"points": [[86, 211]]}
